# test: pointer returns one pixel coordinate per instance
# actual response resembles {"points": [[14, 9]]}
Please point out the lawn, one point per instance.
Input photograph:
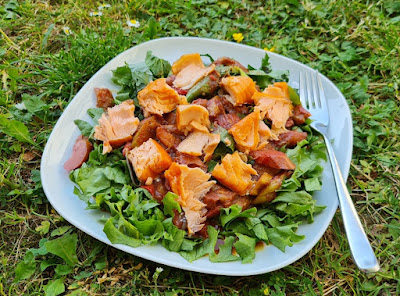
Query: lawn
{"points": [[49, 49]]}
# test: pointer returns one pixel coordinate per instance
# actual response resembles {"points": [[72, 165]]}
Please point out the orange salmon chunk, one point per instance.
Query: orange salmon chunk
{"points": [[192, 118], [190, 184], [149, 160], [158, 97], [116, 126], [189, 69], [234, 173], [240, 89], [245, 132]]}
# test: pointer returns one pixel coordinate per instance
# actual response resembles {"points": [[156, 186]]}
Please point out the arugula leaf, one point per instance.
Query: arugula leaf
{"points": [[225, 252], [265, 65], [245, 247], [159, 67], [312, 184], [299, 197], [283, 236], [279, 75], [92, 179], [258, 228], [95, 114], [151, 230], [85, 127], [170, 204], [122, 76]]}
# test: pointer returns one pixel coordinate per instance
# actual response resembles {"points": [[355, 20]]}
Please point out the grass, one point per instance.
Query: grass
{"points": [[355, 43]]}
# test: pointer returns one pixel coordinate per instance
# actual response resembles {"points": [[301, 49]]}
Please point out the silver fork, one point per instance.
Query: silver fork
{"points": [[313, 99]]}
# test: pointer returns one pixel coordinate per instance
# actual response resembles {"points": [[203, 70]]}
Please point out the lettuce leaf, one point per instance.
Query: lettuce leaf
{"points": [[120, 231], [206, 247], [225, 251], [245, 247], [170, 204], [234, 212]]}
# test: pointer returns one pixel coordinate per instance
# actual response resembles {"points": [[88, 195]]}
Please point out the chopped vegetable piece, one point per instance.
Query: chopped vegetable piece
{"points": [[300, 115], [146, 130], [227, 120], [294, 97], [166, 137], [273, 158], [104, 97]]}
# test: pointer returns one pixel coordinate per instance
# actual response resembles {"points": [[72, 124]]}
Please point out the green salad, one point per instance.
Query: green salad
{"points": [[205, 159]]}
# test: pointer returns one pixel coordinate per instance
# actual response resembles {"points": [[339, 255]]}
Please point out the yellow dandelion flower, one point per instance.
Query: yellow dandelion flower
{"points": [[272, 49], [266, 291], [238, 37]]}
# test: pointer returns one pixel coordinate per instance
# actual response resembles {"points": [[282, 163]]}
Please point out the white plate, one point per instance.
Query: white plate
{"points": [[59, 189]]}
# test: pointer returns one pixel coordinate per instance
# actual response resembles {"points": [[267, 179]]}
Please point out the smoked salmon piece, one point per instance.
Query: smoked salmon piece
{"points": [[189, 69], [240, 89], [251, 133], [266, 135], [278, 90], [234, 173], [276, 109], [158, 97], [186, 60], [198, 143], [192, 118], [116, 126], [149, 160], [245, 132], [190, 184]]}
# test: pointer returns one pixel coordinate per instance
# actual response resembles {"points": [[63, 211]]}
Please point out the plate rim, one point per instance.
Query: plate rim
{"points": [[345, 167]]}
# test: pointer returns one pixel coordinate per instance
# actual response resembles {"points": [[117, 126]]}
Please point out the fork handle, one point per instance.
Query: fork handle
{"points": [[360, 247]]}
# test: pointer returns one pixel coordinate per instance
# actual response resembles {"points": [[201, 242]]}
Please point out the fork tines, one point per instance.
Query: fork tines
{"points": [[311, 92]]}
